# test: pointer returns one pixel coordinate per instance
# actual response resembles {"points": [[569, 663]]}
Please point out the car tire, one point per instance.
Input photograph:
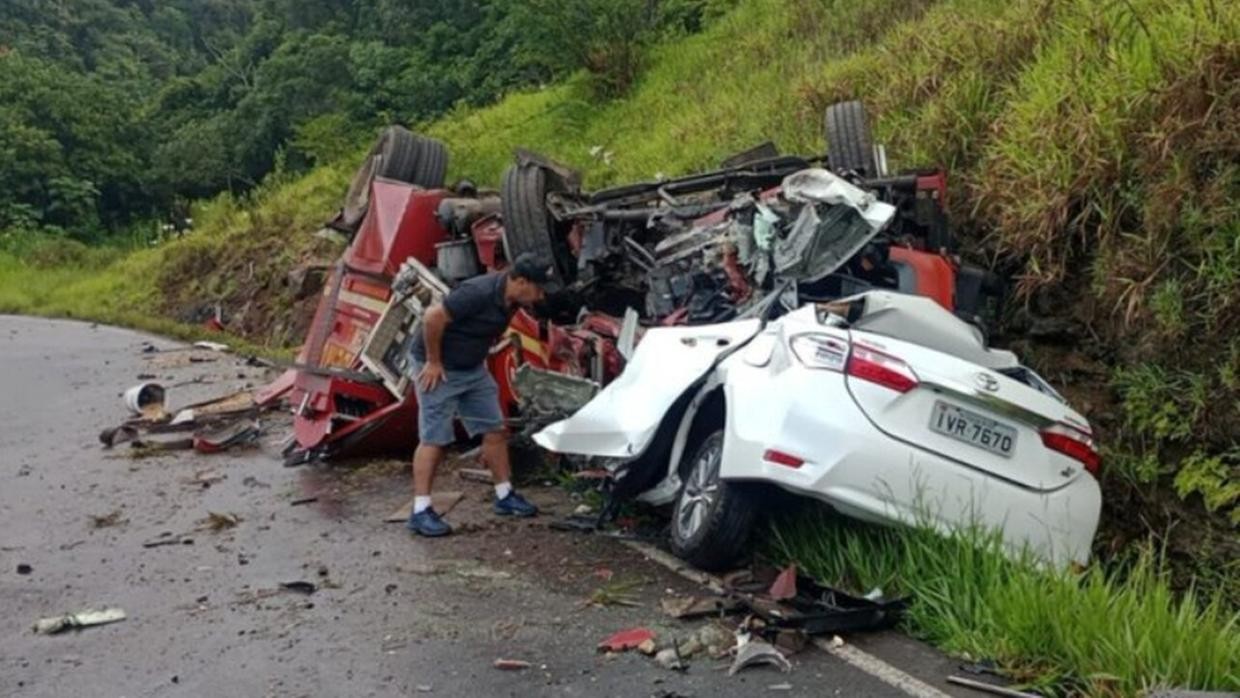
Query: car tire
{"points": [[398, 154], [849, 144], [528, 225], [712, 518]]}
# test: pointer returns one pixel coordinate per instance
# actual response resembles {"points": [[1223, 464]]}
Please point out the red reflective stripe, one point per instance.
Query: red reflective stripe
{"points": [[781, 458]]}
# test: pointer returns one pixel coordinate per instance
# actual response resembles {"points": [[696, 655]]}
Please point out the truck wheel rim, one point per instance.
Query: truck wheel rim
{"points": [[700, 493]]}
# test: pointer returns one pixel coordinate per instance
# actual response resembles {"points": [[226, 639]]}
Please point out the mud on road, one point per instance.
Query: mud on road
{"points": [[391, 614]]}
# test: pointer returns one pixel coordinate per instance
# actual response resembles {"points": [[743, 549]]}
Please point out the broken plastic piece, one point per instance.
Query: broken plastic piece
{"points": [[626, 640], [81, 619], [756, 652]]}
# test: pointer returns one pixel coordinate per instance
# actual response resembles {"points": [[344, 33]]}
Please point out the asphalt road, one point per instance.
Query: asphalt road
{"points": [[393, 615]]}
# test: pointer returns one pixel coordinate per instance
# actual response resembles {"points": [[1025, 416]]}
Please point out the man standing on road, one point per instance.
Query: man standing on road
{"points": [[449, 360]]}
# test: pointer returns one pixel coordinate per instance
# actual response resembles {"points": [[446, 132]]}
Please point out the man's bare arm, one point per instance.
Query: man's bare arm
{"points": [[433, 325]]}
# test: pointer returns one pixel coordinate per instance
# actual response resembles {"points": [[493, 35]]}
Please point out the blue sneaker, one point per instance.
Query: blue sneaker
{"points": [[428, 523], [514, 505]]}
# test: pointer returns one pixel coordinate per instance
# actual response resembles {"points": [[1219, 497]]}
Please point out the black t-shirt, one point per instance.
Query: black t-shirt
{"points": [[479, 317]]}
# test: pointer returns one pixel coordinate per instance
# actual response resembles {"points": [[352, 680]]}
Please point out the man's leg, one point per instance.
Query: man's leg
{"points": [[495, 455], [480, 412], [426, 460], [435, 411]]}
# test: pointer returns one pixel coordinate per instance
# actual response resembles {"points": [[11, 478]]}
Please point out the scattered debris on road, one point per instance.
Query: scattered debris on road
{"points": [[80, 619], [626, 640], [23, 568], [688, 607], [671, 658], [300, 587], [216, 521], [614, 593], [228, 436], [108, 520], [751, 653], [785, 585], [168, 538], [511, 664]]}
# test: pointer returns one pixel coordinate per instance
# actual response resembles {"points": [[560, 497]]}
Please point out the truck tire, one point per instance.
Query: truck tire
{"points": [[849, 145], [430, 163], [712, 518], [528, 225], [400, 155]]}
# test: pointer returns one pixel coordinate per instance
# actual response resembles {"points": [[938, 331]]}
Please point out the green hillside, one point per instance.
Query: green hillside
{"points": [[1093, 151]]}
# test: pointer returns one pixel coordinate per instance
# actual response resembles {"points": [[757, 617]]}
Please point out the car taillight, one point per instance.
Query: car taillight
{"points": [[1074, 444], [877, 367], [819, 350]]}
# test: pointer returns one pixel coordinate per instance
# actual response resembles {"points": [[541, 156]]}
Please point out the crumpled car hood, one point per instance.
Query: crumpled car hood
{"points": [[621, 421]]}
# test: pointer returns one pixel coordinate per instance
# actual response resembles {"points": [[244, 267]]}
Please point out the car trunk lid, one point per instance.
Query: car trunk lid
{"points": [[973, 415]]}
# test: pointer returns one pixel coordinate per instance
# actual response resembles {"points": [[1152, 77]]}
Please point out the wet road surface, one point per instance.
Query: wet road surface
{"points": [[393, 615]]}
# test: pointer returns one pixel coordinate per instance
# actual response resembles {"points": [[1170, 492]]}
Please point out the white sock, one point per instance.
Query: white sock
{"points": [[421, 504], [503, 489]]}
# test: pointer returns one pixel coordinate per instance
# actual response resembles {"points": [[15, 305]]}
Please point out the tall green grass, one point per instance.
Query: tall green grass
{"points": [[1096, 632]]}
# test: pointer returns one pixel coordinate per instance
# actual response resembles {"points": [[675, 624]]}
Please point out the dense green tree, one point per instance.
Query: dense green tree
{"points": [[112, 109]]}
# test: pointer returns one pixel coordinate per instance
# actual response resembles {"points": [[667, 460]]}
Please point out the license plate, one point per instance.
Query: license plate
{"points": [[973, 428]]}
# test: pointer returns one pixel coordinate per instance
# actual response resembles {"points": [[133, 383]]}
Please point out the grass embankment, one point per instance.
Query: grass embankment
{"points": [[1100, 633], [1094, 154]]}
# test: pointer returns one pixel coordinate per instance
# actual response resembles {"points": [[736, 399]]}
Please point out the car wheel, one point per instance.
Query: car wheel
{"points": [[712, 518], [849, 145], [528, 225], [400, 155]]}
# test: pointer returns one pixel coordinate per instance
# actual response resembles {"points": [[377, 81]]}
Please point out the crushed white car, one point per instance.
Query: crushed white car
{"points": [[886, 406]]}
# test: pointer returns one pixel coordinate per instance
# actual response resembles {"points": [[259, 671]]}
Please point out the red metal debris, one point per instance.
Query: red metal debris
{"points": [[785, 585], [626, 640]]}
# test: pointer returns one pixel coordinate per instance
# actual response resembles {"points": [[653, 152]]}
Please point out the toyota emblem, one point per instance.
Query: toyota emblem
{"points": [[986, 382]]}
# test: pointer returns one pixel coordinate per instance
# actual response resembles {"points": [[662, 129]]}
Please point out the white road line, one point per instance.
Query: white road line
{"points": [[853, 656]]}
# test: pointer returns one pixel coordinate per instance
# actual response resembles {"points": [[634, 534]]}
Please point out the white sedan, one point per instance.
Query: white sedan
{"points": [[884, 405]]}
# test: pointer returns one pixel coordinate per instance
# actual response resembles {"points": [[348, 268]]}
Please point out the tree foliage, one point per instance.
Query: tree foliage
{"points": [[111, 110]]}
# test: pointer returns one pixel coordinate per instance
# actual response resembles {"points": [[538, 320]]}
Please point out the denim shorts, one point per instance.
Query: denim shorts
{"points": [[470, 394]]}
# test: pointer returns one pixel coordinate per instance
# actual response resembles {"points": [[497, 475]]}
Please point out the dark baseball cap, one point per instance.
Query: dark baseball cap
{"points": [[536, 268]]}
